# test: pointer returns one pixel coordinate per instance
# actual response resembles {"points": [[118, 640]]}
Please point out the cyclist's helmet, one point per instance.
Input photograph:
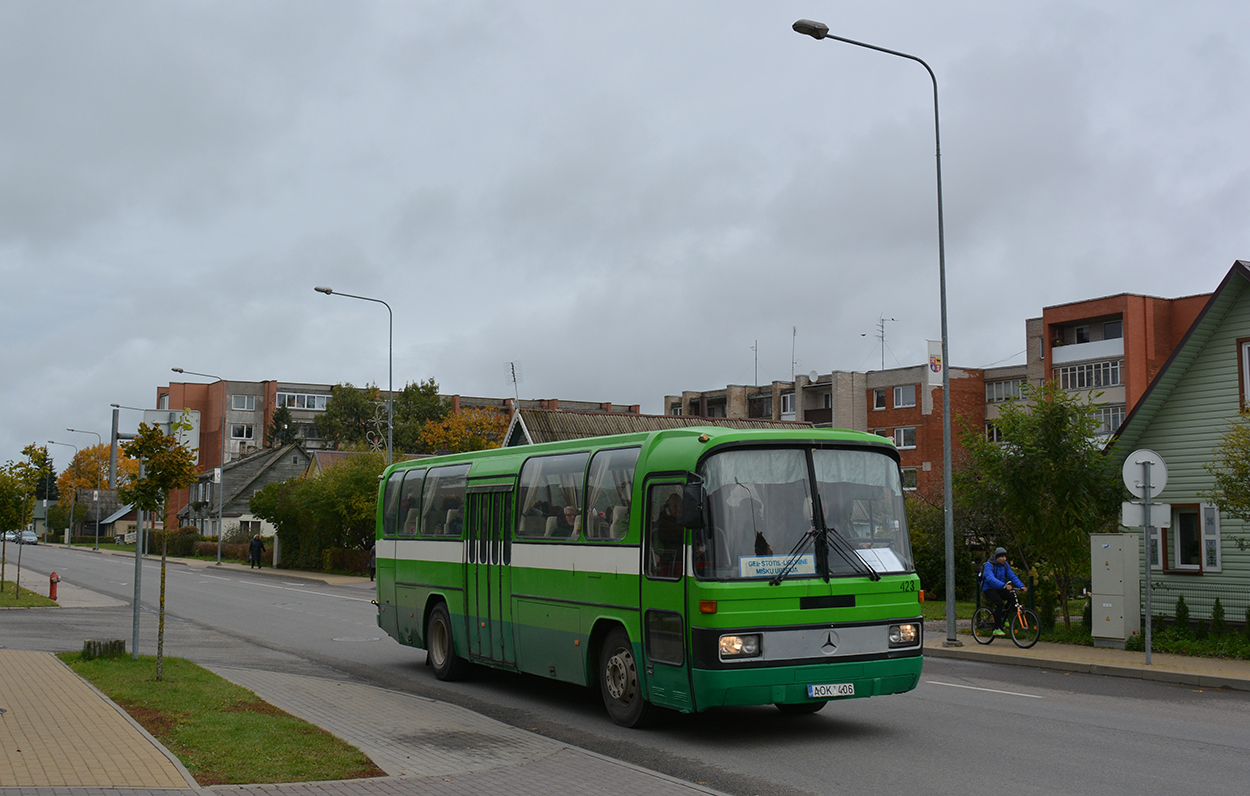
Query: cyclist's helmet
{"points": [[999, 551]]}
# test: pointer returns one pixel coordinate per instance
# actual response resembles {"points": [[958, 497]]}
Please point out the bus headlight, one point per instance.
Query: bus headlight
{"points": [[744, 646], [904, 635]]}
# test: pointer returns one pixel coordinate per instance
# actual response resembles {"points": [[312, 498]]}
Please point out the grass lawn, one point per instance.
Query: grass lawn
{"points": [[934, 608], [222, 733], [27, 599]]}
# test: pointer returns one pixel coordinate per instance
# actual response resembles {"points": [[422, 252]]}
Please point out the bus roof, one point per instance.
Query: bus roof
{"points": [[680, 448]]}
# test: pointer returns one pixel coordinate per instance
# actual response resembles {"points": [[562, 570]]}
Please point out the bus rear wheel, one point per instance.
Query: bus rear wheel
{"points": [[619, 684], [800, 708], [441, 649]]}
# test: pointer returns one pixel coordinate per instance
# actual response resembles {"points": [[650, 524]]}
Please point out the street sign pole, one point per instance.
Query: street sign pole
{"points": [[1145, 469]]}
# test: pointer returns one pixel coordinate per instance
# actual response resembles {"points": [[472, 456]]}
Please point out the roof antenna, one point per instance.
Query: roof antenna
{"points": [[880, 335]]}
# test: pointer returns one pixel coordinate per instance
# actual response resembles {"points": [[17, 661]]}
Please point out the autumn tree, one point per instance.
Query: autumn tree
{"points": [[466, 430], [415, 406], [167, 465], [1048, 483]]}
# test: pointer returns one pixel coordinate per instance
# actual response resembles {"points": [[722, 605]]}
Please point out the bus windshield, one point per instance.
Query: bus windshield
{"points": [[761, 509]]}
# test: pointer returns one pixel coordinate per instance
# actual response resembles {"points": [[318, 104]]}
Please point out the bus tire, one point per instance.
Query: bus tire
{"points": [[619, 683], [441, 649], [800, 708]]}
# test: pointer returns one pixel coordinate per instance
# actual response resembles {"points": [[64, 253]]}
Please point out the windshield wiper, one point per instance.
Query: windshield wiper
{"points": [[795, 554], [853, 558]]}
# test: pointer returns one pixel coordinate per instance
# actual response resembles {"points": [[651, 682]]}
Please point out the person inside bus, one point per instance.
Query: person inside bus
{"points": [[566, 522], [997, 584]]}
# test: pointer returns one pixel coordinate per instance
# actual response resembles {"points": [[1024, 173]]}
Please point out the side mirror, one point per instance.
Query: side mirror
{"points": [[692, 499]]}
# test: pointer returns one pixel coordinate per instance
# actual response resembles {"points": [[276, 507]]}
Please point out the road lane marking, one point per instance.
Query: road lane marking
{"points": [[991, 690], [317, 593]]}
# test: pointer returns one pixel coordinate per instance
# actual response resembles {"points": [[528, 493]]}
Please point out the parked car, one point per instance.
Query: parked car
{"points": [[10, 536], [27, 537]]}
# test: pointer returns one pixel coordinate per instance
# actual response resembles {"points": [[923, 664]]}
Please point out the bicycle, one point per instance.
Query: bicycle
{"points": [[1026, 628]]}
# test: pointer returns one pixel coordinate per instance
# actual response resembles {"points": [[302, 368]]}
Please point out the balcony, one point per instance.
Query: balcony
{"points": [[1079, 352]]}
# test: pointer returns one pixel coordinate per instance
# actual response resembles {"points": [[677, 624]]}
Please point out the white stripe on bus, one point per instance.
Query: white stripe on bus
{"points": [[609, 559]]}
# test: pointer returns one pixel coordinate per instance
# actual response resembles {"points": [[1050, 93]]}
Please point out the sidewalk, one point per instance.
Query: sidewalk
{"points": [[1165, 668]]}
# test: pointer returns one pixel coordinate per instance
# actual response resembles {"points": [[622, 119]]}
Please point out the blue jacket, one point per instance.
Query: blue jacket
{"points": [[995, 576]]}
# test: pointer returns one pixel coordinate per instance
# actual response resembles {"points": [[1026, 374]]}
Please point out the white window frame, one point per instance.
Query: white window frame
{"points": [[787, 403], [1174, 539], [1002, 390], [915, 476], [1090, 375], [878, 399], [1212, 544], [900, 437], [243, 403], [248, 431], [900, 396]]}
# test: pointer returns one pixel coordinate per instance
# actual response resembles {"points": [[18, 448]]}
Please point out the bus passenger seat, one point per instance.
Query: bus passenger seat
{"points": [[620, 522], [551, 526]]}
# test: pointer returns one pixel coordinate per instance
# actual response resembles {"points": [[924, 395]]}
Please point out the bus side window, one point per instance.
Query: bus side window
{"points": [[610, 488], [549, 485], [390, 504], [410, 502], [664, 532], [443, 501]]}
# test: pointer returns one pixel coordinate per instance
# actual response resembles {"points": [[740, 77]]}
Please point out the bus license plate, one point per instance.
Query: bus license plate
{"points": [[831, 690]]}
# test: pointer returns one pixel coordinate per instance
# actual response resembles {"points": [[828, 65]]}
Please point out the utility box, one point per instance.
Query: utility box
{"points": [[1115, 577]]}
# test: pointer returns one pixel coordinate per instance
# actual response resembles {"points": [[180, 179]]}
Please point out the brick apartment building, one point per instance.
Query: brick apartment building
{"points": [[1107, 349]]}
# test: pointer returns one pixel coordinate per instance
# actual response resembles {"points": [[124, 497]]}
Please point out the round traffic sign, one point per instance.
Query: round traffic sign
{"points": [[1134, 473]]}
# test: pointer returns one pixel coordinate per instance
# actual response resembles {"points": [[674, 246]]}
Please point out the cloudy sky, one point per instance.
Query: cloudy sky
{"points": [[623, 198]]}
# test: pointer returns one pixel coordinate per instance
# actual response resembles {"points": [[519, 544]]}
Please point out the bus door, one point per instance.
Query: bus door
{"points": [[488, 587], [663, 597]]}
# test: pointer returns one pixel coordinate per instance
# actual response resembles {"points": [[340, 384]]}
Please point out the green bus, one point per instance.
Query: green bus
{"points": [[685, 568]]}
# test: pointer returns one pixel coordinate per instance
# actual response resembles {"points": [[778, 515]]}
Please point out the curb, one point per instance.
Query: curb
{"points": [[1085, 667]]}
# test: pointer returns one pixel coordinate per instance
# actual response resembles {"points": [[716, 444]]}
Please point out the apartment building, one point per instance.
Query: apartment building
{"points": [[1106, 349]]}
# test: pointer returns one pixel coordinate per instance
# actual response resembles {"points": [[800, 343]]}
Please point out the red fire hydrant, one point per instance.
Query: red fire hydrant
{"points": [[52, 581]]}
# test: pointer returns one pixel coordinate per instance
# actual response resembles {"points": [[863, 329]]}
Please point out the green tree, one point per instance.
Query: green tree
{"points": [[415, 406], [336, 510], [281, 429], [167, 465], [1047, 486], [22, 487], [350, 419], [1231, 470]]}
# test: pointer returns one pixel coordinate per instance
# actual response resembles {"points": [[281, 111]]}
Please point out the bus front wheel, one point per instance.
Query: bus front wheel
{"points": [[619, 684], [440, 649]]}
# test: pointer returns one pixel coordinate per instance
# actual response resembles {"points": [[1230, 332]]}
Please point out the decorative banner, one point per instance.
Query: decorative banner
{"points": [[935, 363]]}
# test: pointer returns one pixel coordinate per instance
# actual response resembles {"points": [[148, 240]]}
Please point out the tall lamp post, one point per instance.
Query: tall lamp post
{"points": [[73, 495], [221, 485], [99, 442], [819, 30], [390, 362]]}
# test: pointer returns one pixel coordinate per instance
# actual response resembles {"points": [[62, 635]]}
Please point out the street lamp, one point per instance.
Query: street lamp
{"points": [[73, 495], [221, 485], [819, 30], [96, 496], [390, 363]]}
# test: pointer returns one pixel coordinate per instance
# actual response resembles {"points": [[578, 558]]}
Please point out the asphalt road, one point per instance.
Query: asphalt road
{"points": [[968, 727]]}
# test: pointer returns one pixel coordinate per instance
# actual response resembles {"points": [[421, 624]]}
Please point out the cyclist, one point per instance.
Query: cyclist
{"points": [[997, 583]]}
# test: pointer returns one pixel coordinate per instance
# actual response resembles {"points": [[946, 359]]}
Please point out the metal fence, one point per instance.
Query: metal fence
{"points": [[1199, 597]]}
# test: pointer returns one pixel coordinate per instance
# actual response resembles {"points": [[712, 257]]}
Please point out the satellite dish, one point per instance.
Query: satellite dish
{"points": [[813, 375]]}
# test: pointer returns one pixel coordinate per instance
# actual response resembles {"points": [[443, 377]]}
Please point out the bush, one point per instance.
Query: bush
{"points": [[1046, 593], [1182, 615], [1200, 630], [181, 541], [1218, 626], [1087, 617], [340, 560]]}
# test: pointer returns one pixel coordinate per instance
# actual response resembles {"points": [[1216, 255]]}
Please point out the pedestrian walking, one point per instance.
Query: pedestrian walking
{"points": [[255, 550]]}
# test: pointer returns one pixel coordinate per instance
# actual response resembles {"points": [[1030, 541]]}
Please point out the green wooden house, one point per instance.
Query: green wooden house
{"points": [[1182, 416]]}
